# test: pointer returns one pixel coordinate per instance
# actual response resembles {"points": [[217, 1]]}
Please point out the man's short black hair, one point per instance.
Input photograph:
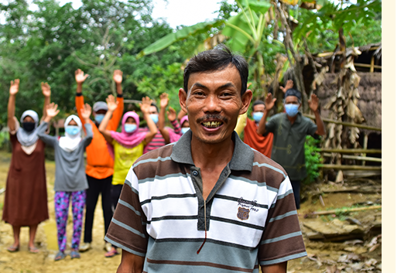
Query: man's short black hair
{"points": [[216, 59], [257, 102]]}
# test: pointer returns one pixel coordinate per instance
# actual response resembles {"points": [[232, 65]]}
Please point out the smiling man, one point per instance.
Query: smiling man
{"points": [[208, 203]]}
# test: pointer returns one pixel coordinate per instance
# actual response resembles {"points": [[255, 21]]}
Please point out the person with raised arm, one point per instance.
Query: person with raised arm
{"points": [[25, 201], [70, 181], [99, 163], [289, 134], [126, 146], [169, 135]]}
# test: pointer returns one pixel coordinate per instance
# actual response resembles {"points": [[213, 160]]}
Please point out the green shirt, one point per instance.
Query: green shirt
{"points": [[288, 147]]}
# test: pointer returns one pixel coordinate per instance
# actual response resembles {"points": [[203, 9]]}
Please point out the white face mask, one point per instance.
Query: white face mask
{"points": [[184, 130]]}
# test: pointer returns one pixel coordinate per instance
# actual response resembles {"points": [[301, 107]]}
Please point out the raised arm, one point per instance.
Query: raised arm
{"points": [[314, 105], [181, 114], [117, 114], [171, 115], [145, 107], [80, 77], [11, 107], [46, 90], [164, 101], [52, 111], [112, 105], [269, 103], [289, 85], [86, 113]]}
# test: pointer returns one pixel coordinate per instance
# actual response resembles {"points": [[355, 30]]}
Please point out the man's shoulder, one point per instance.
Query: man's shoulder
{"points": [[159, 153], [268, 167]]}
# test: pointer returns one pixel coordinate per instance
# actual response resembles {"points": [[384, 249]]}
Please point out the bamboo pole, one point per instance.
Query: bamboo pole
{"points": [[346, 210], [365, 145], [363, 158], [349, 167], [346, 123], [372, 64], [350, 151], [368, 66]]}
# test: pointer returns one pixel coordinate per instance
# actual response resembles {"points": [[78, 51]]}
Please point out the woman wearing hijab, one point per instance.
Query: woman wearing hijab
{"points": [[70, 180], [25, 201], [126, 146]]}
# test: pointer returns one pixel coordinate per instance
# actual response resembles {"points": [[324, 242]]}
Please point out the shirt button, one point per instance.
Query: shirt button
{"points": [[195, 173]]}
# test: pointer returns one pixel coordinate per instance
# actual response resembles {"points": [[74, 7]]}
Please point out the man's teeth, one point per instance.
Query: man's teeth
{"points": [[212, 124]]}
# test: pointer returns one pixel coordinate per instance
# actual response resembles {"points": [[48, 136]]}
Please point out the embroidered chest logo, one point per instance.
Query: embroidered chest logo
{"points": [[243, 213], [244, 207]]}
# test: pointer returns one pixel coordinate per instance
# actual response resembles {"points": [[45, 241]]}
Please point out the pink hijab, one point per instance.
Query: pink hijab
{"points": [[173, 136], [127, 140]]}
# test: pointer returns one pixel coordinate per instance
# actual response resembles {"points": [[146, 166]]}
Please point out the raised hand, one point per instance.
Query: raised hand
{"points": [[289, 85], [79, 76], [86, 112], [164, 100], [145, 105], [313, 102], [269, 102], [46, 89], [14, 86], [117, 76], [171, 114], [52, 110], [112, 103]]}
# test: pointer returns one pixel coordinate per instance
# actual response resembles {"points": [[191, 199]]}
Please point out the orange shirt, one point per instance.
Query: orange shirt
{"points": [[99, 163], [262, 144]]}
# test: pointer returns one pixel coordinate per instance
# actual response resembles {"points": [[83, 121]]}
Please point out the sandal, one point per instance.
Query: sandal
{"points": [[111, 253], [33, 250], [13, 248], [75, 254], [60, 255]]}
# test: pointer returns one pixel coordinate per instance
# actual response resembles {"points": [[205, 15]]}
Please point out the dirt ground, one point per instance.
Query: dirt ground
{"points": [[361, 253]]}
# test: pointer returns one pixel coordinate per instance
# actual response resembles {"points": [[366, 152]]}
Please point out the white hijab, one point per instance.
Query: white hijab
{"points": [[28, 138], [68, 142]]}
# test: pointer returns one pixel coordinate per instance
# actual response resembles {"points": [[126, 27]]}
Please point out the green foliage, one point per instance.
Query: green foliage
{"points": [[312, 159], [4, 139], [362, 21]]}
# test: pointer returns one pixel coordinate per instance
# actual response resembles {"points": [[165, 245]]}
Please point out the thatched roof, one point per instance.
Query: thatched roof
{"points": [[370, 96]]}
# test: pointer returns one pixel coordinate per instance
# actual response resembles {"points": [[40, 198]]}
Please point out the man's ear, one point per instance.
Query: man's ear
{"points": [[246, 101], [183, 99]]}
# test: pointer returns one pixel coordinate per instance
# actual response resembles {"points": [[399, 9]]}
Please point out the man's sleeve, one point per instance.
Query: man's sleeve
{"points": [[127, 229], [282, 238], [116, 116], [270, 125], [311, 127]]}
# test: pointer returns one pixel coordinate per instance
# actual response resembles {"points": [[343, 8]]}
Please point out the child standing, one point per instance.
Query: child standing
{"points": [[70, 180]]}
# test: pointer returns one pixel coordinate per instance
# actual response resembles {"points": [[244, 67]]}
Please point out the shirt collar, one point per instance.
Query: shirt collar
{"points": [[242, 158]]}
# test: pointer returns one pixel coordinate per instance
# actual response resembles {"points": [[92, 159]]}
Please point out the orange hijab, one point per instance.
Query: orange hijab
{"points": [[255, 141]]}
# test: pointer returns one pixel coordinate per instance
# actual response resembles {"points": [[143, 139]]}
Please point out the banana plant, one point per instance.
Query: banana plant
{"points": [[244, 33]]}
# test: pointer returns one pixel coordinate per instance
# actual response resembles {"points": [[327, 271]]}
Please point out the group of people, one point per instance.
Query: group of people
{"points": [[109, 156], [206, 201]]}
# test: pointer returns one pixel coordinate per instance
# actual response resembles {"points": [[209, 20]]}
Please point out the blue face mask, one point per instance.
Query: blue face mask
{"points": [[130, 128], [257, 116], [184, 130], [72, 130], [291, 109], [99, 118], [154, 117]]}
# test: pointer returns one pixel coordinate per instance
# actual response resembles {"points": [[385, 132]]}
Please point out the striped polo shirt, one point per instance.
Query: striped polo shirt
{"points": [[249, 218]]}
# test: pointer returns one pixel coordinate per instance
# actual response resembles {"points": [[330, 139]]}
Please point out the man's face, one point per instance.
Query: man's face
{"points": [[259, 108], [213, 103]]}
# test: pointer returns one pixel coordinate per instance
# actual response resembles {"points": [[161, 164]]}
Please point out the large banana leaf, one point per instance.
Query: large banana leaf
{"points": [[179, 35], [257, 6]]}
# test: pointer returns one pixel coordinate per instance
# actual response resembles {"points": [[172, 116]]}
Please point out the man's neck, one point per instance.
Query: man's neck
{"points": [[211, 156], [292, 119]]}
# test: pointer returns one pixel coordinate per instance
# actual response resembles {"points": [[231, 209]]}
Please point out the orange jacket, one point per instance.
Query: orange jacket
{"points": [[99, 163]]}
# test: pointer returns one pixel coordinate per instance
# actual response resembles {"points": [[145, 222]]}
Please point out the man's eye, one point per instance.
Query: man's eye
{"points": [[226, 94]]}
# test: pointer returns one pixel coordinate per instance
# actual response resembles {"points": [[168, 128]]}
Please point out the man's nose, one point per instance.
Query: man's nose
{"points": [[212, 104]]}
